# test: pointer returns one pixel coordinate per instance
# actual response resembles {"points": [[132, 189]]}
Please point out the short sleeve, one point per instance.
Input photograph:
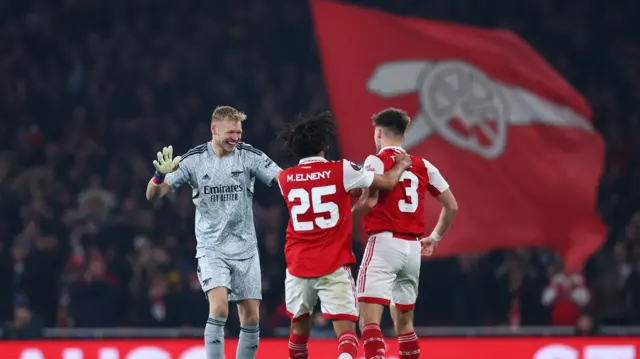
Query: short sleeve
{"points": [[179, 177], [280, 184], [355, 176], [437, 183], [374, 164], [264, 168]]}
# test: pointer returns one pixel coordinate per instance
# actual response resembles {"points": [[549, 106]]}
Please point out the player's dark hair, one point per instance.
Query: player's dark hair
{"points": [[393, 120], [310, 135]]}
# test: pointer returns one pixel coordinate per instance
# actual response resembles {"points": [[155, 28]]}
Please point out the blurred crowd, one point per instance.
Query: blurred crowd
{"points": [[90, 90]]}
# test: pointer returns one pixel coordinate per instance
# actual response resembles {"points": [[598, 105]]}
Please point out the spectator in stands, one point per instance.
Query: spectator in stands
{"points": [[632, 285], [587, 325], [93, 296], [516, 287], [566, 296], [610, 295], [470, 283], [25, 324]]}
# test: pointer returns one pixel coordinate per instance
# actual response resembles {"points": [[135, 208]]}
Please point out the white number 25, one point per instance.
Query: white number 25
{"points": [[313, 202]]}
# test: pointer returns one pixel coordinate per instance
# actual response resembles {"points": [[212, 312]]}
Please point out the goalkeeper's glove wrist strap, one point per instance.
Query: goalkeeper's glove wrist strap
{"points": [[158, 178]]}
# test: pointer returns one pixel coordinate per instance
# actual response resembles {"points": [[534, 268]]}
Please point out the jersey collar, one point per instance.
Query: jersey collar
{"points": [[313, 159], [392, 148], [211, 152]]}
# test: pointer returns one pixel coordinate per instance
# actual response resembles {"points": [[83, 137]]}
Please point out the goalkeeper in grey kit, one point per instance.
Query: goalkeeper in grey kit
{"points": [[221, 174]]}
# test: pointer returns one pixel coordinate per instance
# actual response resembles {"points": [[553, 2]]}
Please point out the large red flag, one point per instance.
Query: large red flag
{"points": [[511, 136]]}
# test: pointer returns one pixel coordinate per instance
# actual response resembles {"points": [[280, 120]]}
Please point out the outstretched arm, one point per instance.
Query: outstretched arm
{"points": [[265, 169], [387, 180], [168, 169], [156, 191], [369, 196]]}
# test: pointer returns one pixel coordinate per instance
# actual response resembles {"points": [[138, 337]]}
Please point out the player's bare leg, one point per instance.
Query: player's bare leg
{"points": [[407, 338], [370, 315], [249, 313], [214, 331], [299, 337], [347, 339]]}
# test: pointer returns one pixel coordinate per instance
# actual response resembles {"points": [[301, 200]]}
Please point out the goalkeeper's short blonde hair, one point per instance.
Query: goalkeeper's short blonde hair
{"points": [[227, 113]]}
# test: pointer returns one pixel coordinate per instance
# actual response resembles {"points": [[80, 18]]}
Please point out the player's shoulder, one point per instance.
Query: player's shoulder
{"points": [[376, 157], [194, 153], [246, 149], [424, 162], [379, 160], [418, 161], [317, 165], [383, 154], [387, 155], [345, 163]]}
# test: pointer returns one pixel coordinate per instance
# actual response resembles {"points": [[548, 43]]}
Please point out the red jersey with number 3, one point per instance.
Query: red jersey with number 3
{"points": [[316, 191], [401, 210]]}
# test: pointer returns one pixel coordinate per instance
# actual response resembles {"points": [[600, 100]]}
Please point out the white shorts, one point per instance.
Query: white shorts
{"points": [[336, 291], [390, 271]]}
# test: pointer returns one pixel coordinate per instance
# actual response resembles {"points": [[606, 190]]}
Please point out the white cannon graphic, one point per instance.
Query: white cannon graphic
{"points": [[456, 89]]}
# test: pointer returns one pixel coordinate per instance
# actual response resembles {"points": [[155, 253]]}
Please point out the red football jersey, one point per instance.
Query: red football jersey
{"points": [[318, 240], [401, 210]]}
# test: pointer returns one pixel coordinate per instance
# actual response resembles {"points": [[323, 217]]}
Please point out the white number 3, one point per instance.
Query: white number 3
{"points": [[317, 206], [411, 192]]}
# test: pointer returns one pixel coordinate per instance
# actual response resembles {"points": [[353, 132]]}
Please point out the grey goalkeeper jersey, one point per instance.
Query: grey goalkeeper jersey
{"points": [[223, 195]]}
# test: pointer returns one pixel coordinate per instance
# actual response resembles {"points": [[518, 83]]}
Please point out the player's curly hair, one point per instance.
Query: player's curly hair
{"points": [[310, 135]]}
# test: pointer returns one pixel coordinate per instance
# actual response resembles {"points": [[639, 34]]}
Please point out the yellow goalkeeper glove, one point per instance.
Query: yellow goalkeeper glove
{"points": [[165, 164]]}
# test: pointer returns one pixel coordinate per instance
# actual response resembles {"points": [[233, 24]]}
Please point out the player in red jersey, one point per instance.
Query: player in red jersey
{"points": [[395, 225], [318, 247]]}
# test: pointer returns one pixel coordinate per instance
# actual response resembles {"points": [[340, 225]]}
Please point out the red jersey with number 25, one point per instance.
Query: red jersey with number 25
{"points": [[401, 210], [319, 240]]}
